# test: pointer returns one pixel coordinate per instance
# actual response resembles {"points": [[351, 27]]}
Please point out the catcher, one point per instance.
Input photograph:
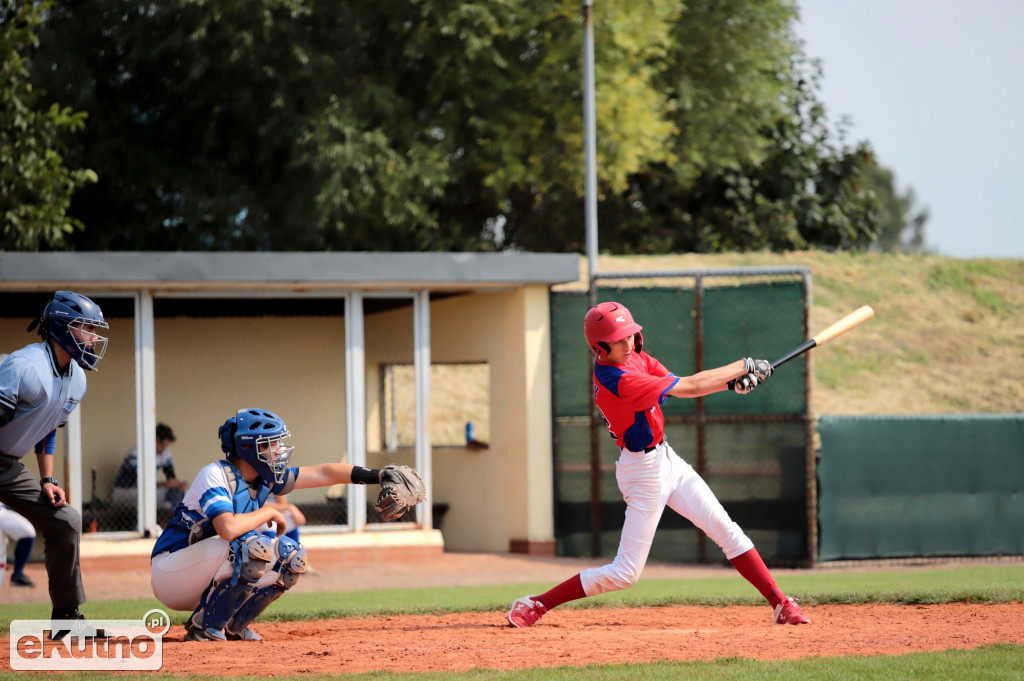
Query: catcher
{"points": [[213, 560]]}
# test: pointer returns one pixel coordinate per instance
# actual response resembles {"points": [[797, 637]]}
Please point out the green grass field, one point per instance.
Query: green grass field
{"points": [[989, 663], [976, 584]]}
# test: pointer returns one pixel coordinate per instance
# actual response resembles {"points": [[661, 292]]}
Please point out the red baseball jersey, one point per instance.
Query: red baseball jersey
{"points": [[629, 397]]}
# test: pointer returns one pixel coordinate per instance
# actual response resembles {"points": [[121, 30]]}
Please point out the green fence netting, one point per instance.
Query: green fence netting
{"points": [[902, 486], [752, 449]]}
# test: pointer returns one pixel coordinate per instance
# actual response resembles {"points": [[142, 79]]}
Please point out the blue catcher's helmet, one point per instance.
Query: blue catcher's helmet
{"points": [[256, 436], [67, 314]]}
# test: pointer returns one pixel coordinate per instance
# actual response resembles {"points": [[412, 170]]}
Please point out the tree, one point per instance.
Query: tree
{"points": [[391, 124], [808, 189], [902, 222], [35, 185], [424, 124], [721, 76]]}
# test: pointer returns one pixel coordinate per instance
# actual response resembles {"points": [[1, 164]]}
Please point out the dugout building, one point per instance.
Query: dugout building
{"points": [[345, 347]]}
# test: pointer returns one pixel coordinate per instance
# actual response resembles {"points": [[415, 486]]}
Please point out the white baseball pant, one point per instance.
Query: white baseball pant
{"points": [[649, 481], [180, 578], [15, 525]]}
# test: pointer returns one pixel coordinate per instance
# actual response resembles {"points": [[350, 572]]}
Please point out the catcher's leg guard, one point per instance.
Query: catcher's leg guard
{"points": [[238, 628], [291, 562], [194, 624], [251, 554]]}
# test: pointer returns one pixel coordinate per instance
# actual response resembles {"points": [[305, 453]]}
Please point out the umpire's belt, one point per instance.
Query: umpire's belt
{"points": [[650, 449], [7, 461]]}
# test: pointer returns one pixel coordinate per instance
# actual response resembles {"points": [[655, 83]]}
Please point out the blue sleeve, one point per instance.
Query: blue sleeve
{"points": [[216, 501], [48, 444]]}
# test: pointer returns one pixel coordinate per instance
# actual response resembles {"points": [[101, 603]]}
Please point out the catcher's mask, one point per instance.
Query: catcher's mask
{"points": [[609, 322], [257, 437]]}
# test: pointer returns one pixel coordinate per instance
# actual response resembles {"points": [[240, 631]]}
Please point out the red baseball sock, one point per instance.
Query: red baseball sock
{"points": [[569, 590], [754, 570]]}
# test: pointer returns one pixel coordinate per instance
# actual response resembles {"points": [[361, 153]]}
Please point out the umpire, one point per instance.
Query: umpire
{"points": [[40, 386]]}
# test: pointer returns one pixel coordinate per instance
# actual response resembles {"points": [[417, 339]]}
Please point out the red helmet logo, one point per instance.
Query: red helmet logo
{"points": [[609, 322]]}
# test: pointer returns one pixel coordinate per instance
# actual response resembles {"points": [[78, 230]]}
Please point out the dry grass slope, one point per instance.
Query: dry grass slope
{"points": [[947, 336]]}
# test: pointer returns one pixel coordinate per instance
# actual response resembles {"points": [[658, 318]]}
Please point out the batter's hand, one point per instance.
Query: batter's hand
{"points": [[761, 368], [743, 384]]}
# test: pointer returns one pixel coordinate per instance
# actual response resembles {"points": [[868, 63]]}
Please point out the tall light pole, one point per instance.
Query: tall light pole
{"points": [[590, 159], [590, 146]]}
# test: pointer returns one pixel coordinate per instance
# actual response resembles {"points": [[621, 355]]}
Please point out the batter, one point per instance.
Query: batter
{"points": [[629, 387]]}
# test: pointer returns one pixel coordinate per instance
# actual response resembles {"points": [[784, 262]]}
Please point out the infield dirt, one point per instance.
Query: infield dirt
{"points": [[458, 642]]}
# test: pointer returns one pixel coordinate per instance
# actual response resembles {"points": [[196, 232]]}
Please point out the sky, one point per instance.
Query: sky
{"points": [[937, 88]]}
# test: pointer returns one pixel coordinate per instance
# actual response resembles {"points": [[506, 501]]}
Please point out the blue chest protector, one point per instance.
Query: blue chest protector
{"points": [[246, 498], [189, 526]]}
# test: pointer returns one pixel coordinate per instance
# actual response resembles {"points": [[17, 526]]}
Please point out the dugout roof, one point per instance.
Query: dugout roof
{"points": [[282, 271]]}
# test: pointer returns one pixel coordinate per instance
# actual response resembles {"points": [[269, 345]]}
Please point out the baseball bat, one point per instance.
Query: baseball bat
{"points": [[855, 318]]}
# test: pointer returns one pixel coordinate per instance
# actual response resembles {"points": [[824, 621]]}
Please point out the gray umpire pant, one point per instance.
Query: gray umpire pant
{"points": [[61, 529]]}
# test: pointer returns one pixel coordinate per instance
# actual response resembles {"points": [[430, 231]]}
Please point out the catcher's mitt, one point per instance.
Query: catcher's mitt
{"points": [[401, 488]]}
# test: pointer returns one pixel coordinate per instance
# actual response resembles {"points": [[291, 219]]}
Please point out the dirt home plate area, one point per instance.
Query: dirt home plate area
{"points": [[574, 637], [425, 643]]}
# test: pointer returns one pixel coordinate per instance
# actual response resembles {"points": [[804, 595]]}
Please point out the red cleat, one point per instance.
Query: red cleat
{"points": [[525, 612], [788, 612]]}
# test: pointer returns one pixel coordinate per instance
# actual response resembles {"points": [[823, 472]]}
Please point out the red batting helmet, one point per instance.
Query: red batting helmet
{"points": [[609, 322]]}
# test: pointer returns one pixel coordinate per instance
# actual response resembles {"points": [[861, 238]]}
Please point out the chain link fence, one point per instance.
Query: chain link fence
{"points": [[754, 451]]}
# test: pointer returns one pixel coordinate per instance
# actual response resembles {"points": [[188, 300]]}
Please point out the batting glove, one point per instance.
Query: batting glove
{"points": [[761, 368], [743, 384]]}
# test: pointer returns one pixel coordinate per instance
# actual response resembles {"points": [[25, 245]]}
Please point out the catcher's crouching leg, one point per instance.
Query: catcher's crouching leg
{"points": [[291, 562], [250, 555]]}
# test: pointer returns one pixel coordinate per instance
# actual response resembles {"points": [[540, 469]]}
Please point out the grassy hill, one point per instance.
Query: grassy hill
{"points": [[947, 337]]}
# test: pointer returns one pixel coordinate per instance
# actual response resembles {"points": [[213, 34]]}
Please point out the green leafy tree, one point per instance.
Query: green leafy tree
{"points": [[35, 185], [717, 76], [390, 124], [802, 187], [431, 125], [902, 222], [809, 189]]}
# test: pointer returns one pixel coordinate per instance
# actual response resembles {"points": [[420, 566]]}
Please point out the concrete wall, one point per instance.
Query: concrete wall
{"points": [[501, 495]]}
